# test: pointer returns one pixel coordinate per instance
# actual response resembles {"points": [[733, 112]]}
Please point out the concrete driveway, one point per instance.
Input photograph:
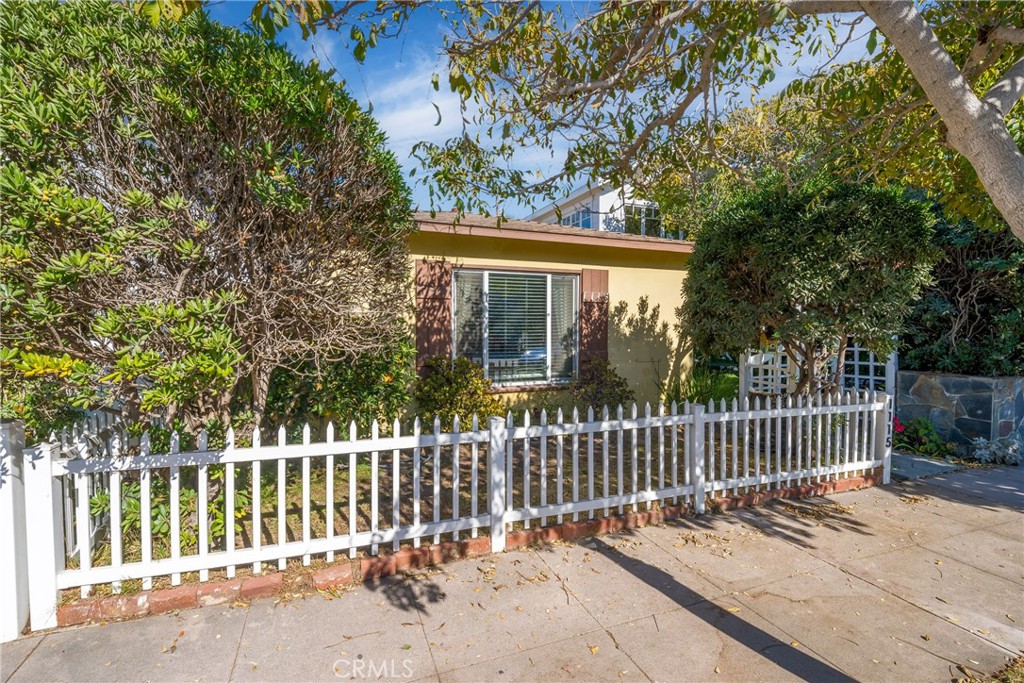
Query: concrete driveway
{"points": [[919, 581]]}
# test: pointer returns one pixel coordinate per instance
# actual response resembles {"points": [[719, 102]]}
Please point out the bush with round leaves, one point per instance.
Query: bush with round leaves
{"points": [[455, 387]]}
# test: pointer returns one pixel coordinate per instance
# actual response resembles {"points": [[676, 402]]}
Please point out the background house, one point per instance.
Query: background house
{"points": [[532, 301], [603, 207]]}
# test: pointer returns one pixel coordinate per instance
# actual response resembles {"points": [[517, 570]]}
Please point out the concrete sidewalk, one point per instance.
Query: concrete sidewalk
{"points": [[902, 583]]}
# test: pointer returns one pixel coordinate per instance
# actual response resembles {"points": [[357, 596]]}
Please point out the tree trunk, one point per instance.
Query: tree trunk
{"points": [[260, 388], [976, 128]]}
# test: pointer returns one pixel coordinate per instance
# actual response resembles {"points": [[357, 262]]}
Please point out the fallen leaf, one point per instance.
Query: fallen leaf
{"points": [[717, 670], [733, 609], [407, 646], [795, 644], [593, 649], [926, 637]]}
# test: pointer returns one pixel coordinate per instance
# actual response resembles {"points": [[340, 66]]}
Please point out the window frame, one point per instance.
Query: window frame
{"points": [[577, 218], [486, 272], [644, 209]]}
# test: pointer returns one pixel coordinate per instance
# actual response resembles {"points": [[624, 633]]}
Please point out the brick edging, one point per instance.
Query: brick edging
{"points": [[165, 600], [825, 488], [344, 573]]}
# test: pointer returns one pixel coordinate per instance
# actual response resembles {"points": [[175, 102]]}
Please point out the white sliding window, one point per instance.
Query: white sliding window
{"points": [[522, 327]]}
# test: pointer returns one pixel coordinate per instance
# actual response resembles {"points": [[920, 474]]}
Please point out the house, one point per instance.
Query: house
{"points": [[603, 207], [531, 301]]}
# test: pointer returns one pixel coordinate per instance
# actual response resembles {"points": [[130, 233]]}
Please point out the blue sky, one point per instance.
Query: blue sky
{"points": [[395, 81]]}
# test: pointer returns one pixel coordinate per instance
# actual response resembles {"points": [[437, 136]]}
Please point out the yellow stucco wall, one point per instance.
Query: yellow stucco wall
{"points": [[643, 343]]}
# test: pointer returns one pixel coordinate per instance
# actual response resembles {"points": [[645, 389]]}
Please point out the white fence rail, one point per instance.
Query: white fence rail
{"points": [[197, 510]]}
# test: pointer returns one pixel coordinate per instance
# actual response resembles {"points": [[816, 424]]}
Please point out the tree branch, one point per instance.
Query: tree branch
{"points": [[805, 7], [977, 131], [1005, 92], [1008, 34]]}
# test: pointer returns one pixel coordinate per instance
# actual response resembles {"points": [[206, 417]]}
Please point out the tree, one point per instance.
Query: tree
{"points": [[808, 268], [756, 146], [936, 104], [970, 320], [184, 208]]}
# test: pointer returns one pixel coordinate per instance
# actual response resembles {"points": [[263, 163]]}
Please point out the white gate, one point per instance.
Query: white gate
{"points": [[767, 372]]}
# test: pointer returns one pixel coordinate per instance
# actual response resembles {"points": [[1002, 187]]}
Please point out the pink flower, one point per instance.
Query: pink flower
{"points": [[897, 425]]}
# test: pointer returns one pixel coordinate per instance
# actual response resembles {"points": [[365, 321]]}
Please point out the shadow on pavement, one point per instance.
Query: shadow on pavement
{"points": [[799, 520], [1000, 488], [800, 664], [411, 592]]}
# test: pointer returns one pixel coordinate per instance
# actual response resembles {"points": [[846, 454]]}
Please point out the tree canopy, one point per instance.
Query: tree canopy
{"points": [[184, 207], [756, 146], [808, 268], [934, 103]]}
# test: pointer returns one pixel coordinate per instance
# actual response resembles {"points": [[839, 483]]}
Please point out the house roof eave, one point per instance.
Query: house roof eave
{"points": [[513, 229]]}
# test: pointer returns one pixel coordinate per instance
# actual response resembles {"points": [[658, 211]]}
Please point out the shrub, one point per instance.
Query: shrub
{"points": [[919, 437], [971, 320], [599, 385], [550, 401], [808, 268], [1005, 451], [455, 387], [701, 385], [160, 509], [371, 387], [166, 192]]}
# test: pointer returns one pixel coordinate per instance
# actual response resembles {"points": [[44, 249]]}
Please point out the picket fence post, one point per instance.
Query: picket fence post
{"points": [[695, 435], [44, 558], [883, 440], [496, 482], [744, 372], [14, 599]]}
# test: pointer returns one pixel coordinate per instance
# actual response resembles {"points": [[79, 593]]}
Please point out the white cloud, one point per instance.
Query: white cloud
{"points": [[409, 108]]}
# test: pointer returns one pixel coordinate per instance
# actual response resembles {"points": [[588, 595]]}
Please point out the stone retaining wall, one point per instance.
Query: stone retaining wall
{"points": [[962, 407]]}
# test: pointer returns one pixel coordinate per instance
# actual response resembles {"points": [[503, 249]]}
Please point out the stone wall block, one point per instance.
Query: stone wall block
{"points": [[930, 391], [941, 419], [972, 429], [975, 406]]}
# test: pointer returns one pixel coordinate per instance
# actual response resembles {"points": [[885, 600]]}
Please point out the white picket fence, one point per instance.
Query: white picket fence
{"points": [[362, 493]]}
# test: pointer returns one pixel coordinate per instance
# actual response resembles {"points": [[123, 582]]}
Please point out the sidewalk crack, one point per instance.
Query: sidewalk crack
{"points": [[238, 648], [606, 630], [25, 659]]}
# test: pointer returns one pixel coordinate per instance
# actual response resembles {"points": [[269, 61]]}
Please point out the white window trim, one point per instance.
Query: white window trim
{"points": [[485, 326]]}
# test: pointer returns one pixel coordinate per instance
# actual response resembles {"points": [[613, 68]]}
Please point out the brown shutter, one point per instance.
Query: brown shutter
{"points": [[433, 310], [593, 314]]}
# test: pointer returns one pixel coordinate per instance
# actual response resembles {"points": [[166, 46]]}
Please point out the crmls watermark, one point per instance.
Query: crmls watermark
{"points": [[372, 669]]}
